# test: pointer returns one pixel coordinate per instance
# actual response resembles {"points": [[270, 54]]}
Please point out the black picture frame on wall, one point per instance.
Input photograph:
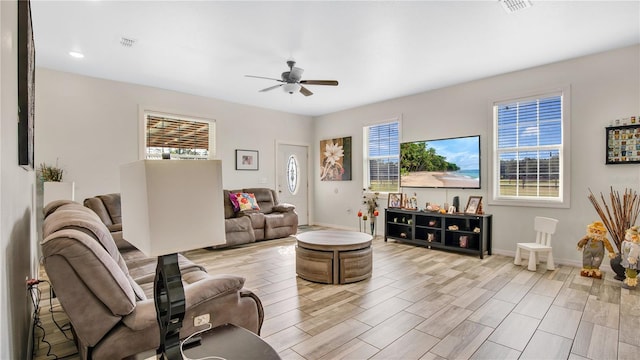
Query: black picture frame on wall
{"points": [[623, 144], [26, 86], [247, 159]]}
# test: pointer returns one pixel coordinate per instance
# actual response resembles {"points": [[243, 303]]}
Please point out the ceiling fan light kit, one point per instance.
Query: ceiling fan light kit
{"points": [[291, 87], [292, 81]]}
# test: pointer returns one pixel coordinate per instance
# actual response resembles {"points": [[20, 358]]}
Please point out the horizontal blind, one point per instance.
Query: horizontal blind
{"points": [[181, 137], [529, 147], [383, 150]]}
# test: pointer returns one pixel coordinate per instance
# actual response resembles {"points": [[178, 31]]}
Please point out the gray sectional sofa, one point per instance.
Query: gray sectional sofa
{"points": [[274, 220]]}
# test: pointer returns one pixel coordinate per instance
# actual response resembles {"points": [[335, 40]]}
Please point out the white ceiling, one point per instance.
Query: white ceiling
{"points": [[377, 50]]}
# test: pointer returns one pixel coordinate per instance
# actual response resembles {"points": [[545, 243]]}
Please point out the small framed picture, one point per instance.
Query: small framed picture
{"points": [[473, 205], [395, 200], [246, 159]]}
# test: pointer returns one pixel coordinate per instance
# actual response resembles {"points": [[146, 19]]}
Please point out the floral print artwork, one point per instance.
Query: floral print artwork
{"points": [[335, 159]]}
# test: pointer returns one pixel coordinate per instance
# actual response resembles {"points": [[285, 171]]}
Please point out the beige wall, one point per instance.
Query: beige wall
{"points": [[90, 126], [17, 197], [603, 87]]}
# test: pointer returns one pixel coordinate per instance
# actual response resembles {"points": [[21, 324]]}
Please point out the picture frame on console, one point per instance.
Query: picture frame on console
{"points": [[395, 201], [247, 159], [473, 205]]}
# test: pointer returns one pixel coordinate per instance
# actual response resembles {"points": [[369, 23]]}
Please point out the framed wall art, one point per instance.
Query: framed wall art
{"points": [[623, 144], [247, 159], [335, 159], [26, 85]]}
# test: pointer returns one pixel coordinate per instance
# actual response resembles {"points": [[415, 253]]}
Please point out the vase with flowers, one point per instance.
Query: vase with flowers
{"points": [[370, 200]]}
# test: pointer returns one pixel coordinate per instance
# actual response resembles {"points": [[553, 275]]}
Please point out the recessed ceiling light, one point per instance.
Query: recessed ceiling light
{"points": [[511, 6], [75, 54]]}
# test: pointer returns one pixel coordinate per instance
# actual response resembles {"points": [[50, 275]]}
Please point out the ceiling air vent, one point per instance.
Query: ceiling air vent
{"points": [[511, 6], [127, 42]]}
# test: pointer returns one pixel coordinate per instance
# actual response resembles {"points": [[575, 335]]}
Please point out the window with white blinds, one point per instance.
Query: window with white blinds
{"points": [[178, 137], [529, 149], [382, 157]]}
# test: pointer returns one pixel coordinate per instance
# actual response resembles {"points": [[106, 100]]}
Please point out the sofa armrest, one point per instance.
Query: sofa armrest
{"points": [[114, 227], [284, 208], [249, 294], [203, 288]]}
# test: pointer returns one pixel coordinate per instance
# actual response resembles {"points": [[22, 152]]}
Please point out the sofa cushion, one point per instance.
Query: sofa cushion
{"points": [[228, 206], [77, 217], [233, 197], [265, 198], [247, 201], [97, 268], [112, 203]]}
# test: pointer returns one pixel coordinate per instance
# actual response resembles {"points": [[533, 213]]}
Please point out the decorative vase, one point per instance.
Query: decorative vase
{"points": [[373, 227], [54, 190], [617, 267]]}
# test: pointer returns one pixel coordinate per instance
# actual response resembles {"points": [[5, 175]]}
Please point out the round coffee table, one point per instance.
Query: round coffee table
{"points": [[334, 256]]}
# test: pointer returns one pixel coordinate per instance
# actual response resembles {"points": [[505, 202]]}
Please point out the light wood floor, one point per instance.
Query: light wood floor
{"points": [[425, 304]]}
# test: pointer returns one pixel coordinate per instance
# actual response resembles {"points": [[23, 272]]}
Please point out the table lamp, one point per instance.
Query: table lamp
{"points": [[170, 206]]}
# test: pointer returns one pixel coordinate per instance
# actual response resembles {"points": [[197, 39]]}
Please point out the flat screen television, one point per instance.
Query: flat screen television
{"points": [[452, 163]]}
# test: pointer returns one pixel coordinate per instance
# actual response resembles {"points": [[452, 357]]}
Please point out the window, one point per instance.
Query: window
{"points": [[292, 175], [529, 158], [178, 137], [381, 157]]}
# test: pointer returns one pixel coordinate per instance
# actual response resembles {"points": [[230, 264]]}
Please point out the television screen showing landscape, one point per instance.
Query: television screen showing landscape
{"points": [[441, 163]]}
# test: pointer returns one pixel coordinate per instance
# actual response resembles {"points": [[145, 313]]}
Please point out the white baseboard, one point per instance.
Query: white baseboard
{"points": [[511, 253]]}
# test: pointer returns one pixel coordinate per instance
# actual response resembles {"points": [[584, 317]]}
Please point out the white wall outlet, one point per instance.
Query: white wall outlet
{"points": [[201, 320]]}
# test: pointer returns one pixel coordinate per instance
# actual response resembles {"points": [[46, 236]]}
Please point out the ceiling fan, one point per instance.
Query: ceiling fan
{"points": [[291, 81]]}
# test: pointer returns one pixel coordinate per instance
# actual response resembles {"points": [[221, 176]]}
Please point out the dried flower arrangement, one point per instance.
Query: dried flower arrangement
{"points": [[370, 199], [50, 172], [620, 215]]}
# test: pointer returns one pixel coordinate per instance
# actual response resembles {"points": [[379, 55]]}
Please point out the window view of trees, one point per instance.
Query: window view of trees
{"points": [[532, 175], [417, 156]]}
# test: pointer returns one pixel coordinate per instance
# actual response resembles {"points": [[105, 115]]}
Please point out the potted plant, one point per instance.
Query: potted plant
{"points": [[50, 173]]}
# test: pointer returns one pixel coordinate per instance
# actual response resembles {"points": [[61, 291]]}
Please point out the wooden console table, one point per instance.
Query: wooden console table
{"points": [[465, 233]]}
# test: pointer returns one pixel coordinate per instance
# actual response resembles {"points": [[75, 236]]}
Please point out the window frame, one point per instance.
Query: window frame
{"points": [[564, 199], [366, 181], [142, 129]]}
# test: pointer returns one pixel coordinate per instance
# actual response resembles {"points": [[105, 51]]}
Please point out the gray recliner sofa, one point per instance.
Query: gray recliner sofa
{"points": [[107, 292], [274, 219]]}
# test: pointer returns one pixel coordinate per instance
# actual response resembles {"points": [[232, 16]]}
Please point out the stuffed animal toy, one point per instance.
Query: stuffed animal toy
{"points": [[630, 254], [594, 243]]}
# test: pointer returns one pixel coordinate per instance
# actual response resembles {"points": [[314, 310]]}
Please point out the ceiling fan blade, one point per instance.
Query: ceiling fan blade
{"points": [[304, 91], [262, 77], [271, 88], [320, 82], [295, 74]]}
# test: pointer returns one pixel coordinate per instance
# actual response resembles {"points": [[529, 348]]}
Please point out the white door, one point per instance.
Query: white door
{"points": [[292, 178]]}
